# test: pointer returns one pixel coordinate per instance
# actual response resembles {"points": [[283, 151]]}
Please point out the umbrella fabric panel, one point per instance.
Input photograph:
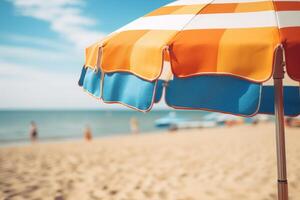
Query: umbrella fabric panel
{"points": [[291, 100], [237, 52], [204, 37], [292, 51], [129, 90], [91, 82], [216, 6], [288, 13], [93, 53], [140, 52], [215, 93], [139, 46], [223, 32], [142, 42], [225, 42]]}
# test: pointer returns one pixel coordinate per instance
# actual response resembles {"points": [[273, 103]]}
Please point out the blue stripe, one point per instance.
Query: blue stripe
{"points": [[91, 82], [291, 100], [129, 90], [215, 93], [82, 75]]}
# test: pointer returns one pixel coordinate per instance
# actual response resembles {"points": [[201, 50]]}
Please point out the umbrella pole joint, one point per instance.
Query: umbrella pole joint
{"points": [[280, 132]]}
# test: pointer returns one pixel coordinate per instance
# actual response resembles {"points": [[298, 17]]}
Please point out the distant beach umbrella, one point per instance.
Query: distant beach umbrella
{"points": [[214, 55]]}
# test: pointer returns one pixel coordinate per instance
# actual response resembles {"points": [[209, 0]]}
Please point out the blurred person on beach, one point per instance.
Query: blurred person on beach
{"points": [[134, 125], [173, 128], [231, 123], [33, 131], [88, 133]]}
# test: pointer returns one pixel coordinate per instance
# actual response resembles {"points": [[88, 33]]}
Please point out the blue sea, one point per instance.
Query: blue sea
{"points": [[64, 125]]}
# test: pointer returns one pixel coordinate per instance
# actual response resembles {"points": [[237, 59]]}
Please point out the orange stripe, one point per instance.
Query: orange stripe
{"points": [[285, 6], [91, 55], [138, 52], [214, 8], [254, 7], [242, 52], [238, 7], [195, 51], [176, 10], [219, 8], [92, 52], [291, 42], [165, 11], [147, 53], [238, 52], [248, 52], [117, 52]]}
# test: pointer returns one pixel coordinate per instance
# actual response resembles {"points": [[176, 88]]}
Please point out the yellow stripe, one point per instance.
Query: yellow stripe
{"points": [[254, 7], [91, 55], [214, 8], [190, 9], [146, 56], [248, 52], [139, 52]]}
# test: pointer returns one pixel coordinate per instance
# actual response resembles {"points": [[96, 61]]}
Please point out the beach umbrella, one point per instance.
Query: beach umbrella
{"points": [[214, 55]]}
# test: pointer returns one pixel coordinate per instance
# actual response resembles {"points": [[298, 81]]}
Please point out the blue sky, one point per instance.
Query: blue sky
{"points": [[42, 47]]}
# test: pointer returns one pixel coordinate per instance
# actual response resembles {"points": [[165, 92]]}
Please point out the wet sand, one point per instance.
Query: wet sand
{"points": [[233, 163]]}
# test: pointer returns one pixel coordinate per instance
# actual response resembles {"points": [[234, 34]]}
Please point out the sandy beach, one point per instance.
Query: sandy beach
{"points": [[232, 163]]}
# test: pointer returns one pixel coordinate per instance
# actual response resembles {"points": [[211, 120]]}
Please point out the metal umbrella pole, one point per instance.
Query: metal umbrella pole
{"points": [[280, 133]]}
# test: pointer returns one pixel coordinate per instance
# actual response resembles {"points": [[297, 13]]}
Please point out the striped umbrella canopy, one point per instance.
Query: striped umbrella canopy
{"points": [[216, 55]]}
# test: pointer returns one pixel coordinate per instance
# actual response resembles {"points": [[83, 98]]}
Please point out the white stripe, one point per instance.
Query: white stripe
{"points": [[194, 2], [289, 18], [162, 22], [214, 21], [233, 20]]}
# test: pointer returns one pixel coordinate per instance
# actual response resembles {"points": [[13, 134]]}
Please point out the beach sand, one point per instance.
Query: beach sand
{"points": [[232, 163]]}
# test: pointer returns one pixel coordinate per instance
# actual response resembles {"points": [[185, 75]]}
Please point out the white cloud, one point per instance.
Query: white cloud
{"points": [[10, 52], [37, 72], [40, 42], [32, 69], [28, 77], [22, 87], [65, 17]]}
